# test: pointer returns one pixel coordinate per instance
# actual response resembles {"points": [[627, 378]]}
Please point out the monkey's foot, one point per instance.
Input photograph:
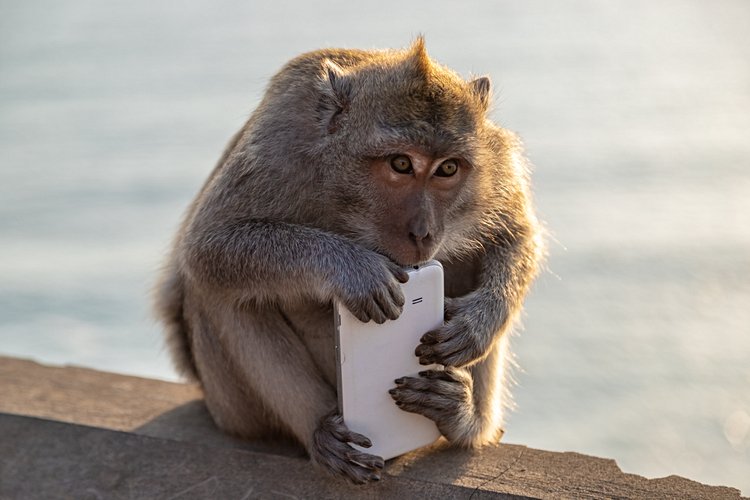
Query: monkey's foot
{"points": [[331, 450], [443, 396]]}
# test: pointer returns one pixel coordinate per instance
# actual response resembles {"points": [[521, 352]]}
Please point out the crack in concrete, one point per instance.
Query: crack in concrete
{"points": [[498, 476], [211, 479]]}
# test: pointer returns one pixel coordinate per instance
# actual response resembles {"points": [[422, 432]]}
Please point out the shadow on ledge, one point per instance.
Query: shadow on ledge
{"points": [[191, 422]]}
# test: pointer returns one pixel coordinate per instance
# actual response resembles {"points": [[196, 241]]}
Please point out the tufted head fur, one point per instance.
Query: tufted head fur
{"points": [[359, 110]]}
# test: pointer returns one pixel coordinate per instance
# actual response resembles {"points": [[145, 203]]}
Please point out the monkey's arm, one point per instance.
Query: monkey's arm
{"points": [[474, 321], [276, 262], [466, 401]]}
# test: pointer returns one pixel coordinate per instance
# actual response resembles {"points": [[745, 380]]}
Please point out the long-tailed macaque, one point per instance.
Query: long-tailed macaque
{"points": [[355, 164]]}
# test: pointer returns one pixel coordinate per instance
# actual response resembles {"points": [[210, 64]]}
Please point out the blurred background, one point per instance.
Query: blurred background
{"points": [[636, 115]]}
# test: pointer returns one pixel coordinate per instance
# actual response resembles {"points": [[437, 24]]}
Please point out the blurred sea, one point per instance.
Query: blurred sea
{"points": [[636, 340]]}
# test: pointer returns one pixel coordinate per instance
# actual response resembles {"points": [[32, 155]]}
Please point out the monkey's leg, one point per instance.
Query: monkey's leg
{"points": [[466, 403], [234, 406], [257, 350]]}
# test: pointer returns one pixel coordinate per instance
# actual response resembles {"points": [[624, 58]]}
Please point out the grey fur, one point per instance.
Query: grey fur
{"points": [[295, 216]]}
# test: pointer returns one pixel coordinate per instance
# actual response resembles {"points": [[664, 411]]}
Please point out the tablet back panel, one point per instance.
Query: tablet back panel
{"points": [[372, 356]]}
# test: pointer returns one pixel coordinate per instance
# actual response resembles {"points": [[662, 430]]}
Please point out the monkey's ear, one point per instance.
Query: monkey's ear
{"points": [[337, 80], [336, 89], [481, 88]]}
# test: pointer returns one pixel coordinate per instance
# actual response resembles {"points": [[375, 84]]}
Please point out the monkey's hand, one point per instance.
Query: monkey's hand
{"points": [[331, 450], [465, 337], [443, 396], [369, 287]]}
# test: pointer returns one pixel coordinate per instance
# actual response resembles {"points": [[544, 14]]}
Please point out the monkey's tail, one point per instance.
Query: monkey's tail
{"points": [[169, 306]]}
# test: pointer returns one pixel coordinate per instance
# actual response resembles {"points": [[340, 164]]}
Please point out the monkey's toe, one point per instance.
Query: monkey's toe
{"points": [[437, 394], [331, 450]]}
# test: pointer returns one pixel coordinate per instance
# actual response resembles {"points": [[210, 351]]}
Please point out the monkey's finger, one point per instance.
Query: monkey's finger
{"points": [[428, 409], [419, 389], [377, 312], [354, 471], [402, 396], [341, 432], [364, 460], [426, 355], [429, 353], [397, 392], [356, 438], [397, 295], [357, 310], [400, 382], [438, 354], [386, 304], [422, 350], [453, 375], [433, 336], [401, 275], [363, 316], [462, 348], [441, 353], [426, 341], [437, 374], [366, 309], [341, 458], [456, 345]]}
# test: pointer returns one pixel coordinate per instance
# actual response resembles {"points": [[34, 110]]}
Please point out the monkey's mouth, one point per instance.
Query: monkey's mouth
{"points": [[410, 253]]}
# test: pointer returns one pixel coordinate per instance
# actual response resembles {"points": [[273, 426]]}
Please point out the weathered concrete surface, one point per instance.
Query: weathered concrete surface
{"points": [[84, 396], [171, 449], [118, 402], [46, 459]]}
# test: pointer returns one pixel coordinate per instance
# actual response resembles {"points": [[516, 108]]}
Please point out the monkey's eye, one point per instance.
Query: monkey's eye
{"points": [[447, 168], [401, 164]]}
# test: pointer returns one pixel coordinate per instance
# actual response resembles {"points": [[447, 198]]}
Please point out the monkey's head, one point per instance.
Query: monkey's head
{"points": [[405, 138]]}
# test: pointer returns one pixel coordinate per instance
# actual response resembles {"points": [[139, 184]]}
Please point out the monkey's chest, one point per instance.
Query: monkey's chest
{"points": [[313, 324]]}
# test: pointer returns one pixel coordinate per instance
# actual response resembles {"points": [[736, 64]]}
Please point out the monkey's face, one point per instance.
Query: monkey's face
{"points": [[414, 191], [415, 127]]}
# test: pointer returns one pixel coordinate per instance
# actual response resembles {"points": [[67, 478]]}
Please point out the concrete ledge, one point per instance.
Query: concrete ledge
{"points": [[78, 433]]}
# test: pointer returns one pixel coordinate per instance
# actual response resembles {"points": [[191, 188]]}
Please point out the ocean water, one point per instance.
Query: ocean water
{"points": [[636, 115]]}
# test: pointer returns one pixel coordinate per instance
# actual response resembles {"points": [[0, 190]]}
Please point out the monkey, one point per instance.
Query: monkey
{"points": [[354, 165]]}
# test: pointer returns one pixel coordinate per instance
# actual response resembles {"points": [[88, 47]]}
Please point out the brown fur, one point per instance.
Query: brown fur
{"points": [[305, 207]]}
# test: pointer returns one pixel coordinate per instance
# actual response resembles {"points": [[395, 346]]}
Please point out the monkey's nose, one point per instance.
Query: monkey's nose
{"points": [[422, 241], [419, 235]]}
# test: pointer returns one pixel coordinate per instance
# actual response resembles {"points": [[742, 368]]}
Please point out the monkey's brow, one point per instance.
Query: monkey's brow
{"points": [[397, 140]]}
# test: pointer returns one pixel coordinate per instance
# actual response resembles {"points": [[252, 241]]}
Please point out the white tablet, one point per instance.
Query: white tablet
{"points": [[371, 356]]}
